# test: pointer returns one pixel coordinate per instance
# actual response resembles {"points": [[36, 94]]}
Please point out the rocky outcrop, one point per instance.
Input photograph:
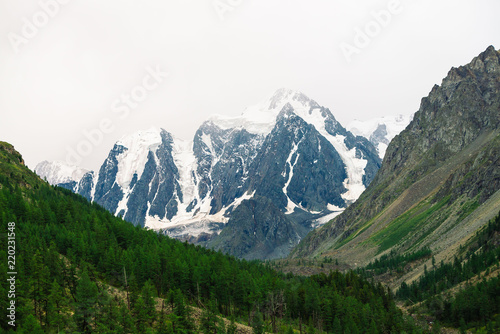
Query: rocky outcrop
{"points": [[258, 230]]}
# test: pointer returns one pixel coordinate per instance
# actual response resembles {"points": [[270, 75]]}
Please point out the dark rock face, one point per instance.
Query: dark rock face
{"points": [[107, 192], [258, 230], [157, 187], [205, 154], [86, 185], [233, 151], [379, 135], [68, 185], [294, 151]]}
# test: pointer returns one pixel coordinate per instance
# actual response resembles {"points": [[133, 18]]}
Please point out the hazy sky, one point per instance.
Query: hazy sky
{"points": [[72, 66]]}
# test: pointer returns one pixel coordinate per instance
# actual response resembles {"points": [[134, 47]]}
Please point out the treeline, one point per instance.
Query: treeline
{"points": [[68, 250], [479, 257], [395, 261], [474, 304]]}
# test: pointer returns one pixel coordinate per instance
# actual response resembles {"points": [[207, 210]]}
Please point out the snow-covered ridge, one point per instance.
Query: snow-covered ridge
{"points": [[381, 130], [134, 158], [57, 172], [261, 118], [394, 124]]}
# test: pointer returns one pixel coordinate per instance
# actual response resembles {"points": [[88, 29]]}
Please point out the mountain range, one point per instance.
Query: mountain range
{"points": [[425, 222], [252, 185], [255, 185]]}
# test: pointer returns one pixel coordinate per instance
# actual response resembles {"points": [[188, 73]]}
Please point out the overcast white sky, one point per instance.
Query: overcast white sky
{"points": [[68, 74]]}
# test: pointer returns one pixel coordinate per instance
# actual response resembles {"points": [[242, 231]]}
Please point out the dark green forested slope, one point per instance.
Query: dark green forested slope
{"points": [[68, 251], [477, 302]]}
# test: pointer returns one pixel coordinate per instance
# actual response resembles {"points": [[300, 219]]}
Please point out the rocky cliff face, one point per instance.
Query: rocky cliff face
{"points": [[298, 168], [224, 158], [257, 229], [439, 180]]}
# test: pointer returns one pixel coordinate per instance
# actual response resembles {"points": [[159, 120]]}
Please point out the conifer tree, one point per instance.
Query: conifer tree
{"points": [[258, 324], [86, 298]]}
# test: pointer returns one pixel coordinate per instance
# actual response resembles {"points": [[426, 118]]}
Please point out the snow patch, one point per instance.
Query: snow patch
{"points": [[290, 207], [325, 219], [133, 160], [185, 161], [197, 224]]}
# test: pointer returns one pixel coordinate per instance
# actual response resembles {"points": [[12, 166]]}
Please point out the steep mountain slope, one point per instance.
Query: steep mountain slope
{"points": [[288, 150], [439, 181]]}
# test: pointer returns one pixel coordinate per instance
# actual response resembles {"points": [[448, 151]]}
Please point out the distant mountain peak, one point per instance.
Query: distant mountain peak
{"points": [[261, 118], [380, 130], [58, 172], [149, 137], [285, 95]]}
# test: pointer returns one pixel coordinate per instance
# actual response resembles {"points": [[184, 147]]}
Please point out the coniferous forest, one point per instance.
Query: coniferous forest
{"points": [[80, 269], [474, 305]]}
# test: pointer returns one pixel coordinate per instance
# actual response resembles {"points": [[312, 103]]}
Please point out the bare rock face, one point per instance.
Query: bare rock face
{"points": [[258, 230]]}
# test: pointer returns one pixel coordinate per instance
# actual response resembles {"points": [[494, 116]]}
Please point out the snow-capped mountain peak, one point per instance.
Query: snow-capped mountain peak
{"points": [[261, 118], [58, 172], [287, 153], [295, 98], [142, 139], [135, 154]]}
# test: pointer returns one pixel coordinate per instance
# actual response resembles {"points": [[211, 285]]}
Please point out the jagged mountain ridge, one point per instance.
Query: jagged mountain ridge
{"points": [[439, 181], [289, 151]]}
